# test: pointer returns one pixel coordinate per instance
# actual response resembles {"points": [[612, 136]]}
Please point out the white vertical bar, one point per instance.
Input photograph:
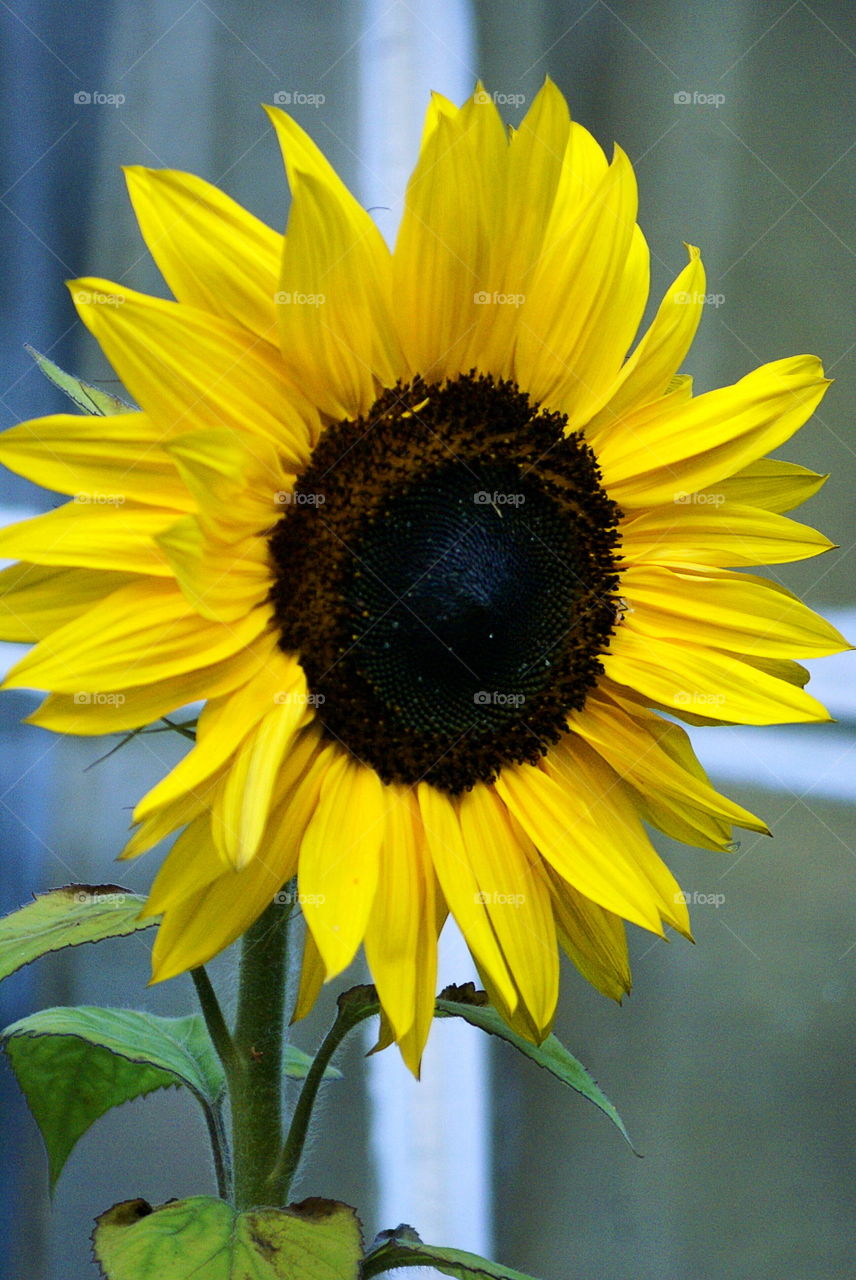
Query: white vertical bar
{"points": [[430, 1140], [407, 51]]}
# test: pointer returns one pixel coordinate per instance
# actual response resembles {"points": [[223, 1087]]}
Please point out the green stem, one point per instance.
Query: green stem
{"points": [[354, 1006], [225, 1048], [255, 1075], [219, 1148], [220, 1035]]}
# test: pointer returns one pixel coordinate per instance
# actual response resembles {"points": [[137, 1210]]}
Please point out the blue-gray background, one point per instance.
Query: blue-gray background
{"points": [[732, 1061]]}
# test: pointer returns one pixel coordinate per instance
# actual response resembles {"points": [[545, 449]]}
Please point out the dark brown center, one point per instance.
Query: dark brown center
{"points": [[446, 573]]}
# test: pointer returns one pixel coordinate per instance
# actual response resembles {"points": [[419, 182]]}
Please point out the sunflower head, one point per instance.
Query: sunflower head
{"points": [[443, 552]]}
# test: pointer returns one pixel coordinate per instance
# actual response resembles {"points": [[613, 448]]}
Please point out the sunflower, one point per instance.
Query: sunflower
{"points": [[435, 552]]}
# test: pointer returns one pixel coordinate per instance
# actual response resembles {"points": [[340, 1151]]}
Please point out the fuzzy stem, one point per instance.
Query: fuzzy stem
{"points": [[255, 1075], [219, 1148], [225, 1049], [354, 1006], [212, 1013]]}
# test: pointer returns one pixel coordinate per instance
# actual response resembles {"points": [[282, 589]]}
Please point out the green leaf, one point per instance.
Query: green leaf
{"points": [[66, 917], [75, 1064], [471, 1005], [88, 398], [403, 1248], [206, 1239], [297, 1064]]}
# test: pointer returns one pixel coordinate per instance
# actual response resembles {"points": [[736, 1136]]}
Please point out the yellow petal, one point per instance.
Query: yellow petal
{"points": [[36, 599], [724, 533], [693, 678], [460, 887], [558, 819], [222, 580], [634, 747], [190, 866], [536, 153], [442, 259], [142, 633], [199, 864], [594, 939], [103, 459], [571, 332], [735, 611], [595, 364], [782, 669], [613, 810], [93, 713], [119, 536], [299, 782], [694, 820], [518, 1018], [401, 939], [647, 373], [334, 300], [312, 975], [298, 787], [205, 922], [190, 369], [188, 808], [339, 860], [238, 822], [681, 822], [224, 723], [516, 900], [584, 167], [670, 449], [768, 483], [238, 483], [213, 254]]}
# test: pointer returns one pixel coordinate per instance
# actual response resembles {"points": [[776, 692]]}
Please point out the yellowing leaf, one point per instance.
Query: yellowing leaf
{"points": [[206, 1239]]}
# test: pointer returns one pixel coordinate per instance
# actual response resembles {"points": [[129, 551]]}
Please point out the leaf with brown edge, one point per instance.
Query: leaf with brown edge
{"points": [[66, 917], [202, 1238]]}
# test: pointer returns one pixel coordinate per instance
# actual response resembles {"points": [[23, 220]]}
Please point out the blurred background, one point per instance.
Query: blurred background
{"points": [[732, 1061]]}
